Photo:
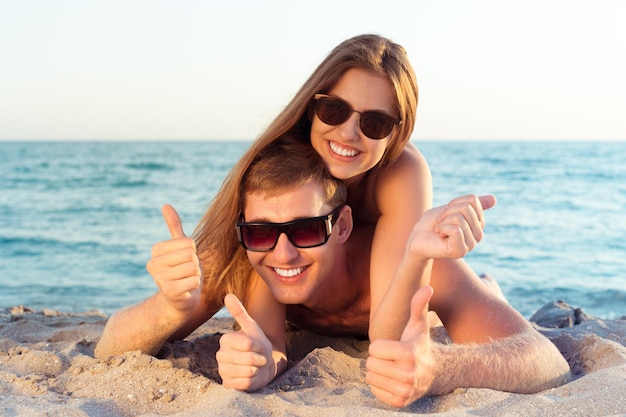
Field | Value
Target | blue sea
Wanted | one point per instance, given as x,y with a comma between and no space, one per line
78,219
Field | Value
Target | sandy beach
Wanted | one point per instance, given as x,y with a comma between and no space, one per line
47,368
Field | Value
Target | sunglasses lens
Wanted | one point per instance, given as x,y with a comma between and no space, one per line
305,234
308,234
373,124
376,125
332,111
259,237
302,233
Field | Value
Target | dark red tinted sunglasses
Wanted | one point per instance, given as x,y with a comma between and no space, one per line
302,233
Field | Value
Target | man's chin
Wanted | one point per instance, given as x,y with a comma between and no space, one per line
289,297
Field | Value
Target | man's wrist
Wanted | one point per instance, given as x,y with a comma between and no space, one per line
167,313
443,378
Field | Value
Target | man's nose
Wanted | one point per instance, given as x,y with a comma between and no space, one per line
285,250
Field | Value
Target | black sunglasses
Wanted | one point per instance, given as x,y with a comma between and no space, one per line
334,111
302,233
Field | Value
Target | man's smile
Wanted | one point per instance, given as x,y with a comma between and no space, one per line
289,273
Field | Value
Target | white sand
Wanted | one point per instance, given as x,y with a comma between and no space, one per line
47,368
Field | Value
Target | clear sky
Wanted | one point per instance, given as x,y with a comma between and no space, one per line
155,69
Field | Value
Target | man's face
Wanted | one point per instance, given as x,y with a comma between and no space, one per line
294,275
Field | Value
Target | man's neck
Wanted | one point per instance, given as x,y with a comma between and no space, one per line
349,282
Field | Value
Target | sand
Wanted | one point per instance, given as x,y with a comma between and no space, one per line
47,368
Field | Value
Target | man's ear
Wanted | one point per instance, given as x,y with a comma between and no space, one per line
344,224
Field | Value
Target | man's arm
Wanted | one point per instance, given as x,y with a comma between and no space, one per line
146,327
525,363
498,344
174,311
493,347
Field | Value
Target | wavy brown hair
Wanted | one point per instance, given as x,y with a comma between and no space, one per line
222,258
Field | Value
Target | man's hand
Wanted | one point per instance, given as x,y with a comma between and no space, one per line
400,372
175,266
245,357
451,231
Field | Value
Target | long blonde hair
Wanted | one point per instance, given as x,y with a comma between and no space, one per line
224,262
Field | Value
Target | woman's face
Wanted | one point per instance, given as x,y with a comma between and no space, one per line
346,151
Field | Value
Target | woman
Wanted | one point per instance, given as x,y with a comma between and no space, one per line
358,111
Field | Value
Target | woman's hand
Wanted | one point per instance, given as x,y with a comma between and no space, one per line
451,231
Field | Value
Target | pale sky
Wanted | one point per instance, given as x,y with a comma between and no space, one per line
155,69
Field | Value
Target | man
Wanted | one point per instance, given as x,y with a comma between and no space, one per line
311,268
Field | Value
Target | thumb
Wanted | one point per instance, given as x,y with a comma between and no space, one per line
487,201
239,313
172,219
418,321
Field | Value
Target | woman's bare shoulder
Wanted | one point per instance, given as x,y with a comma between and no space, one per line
411,158
409,172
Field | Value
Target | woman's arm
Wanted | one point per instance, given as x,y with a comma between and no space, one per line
445,232
403,192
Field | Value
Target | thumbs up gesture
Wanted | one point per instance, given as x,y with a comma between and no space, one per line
175,266
245,357
400,372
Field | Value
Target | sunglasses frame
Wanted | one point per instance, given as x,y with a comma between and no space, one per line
393,120
329,220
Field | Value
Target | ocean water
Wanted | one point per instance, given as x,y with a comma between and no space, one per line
78,219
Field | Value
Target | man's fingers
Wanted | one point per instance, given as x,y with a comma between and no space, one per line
418,324
238,349
239,313
172,219
386,350
382,390
388,381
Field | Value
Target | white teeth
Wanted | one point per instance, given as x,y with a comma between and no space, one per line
342,151
289,272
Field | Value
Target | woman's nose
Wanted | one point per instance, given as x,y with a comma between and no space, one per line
349,130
